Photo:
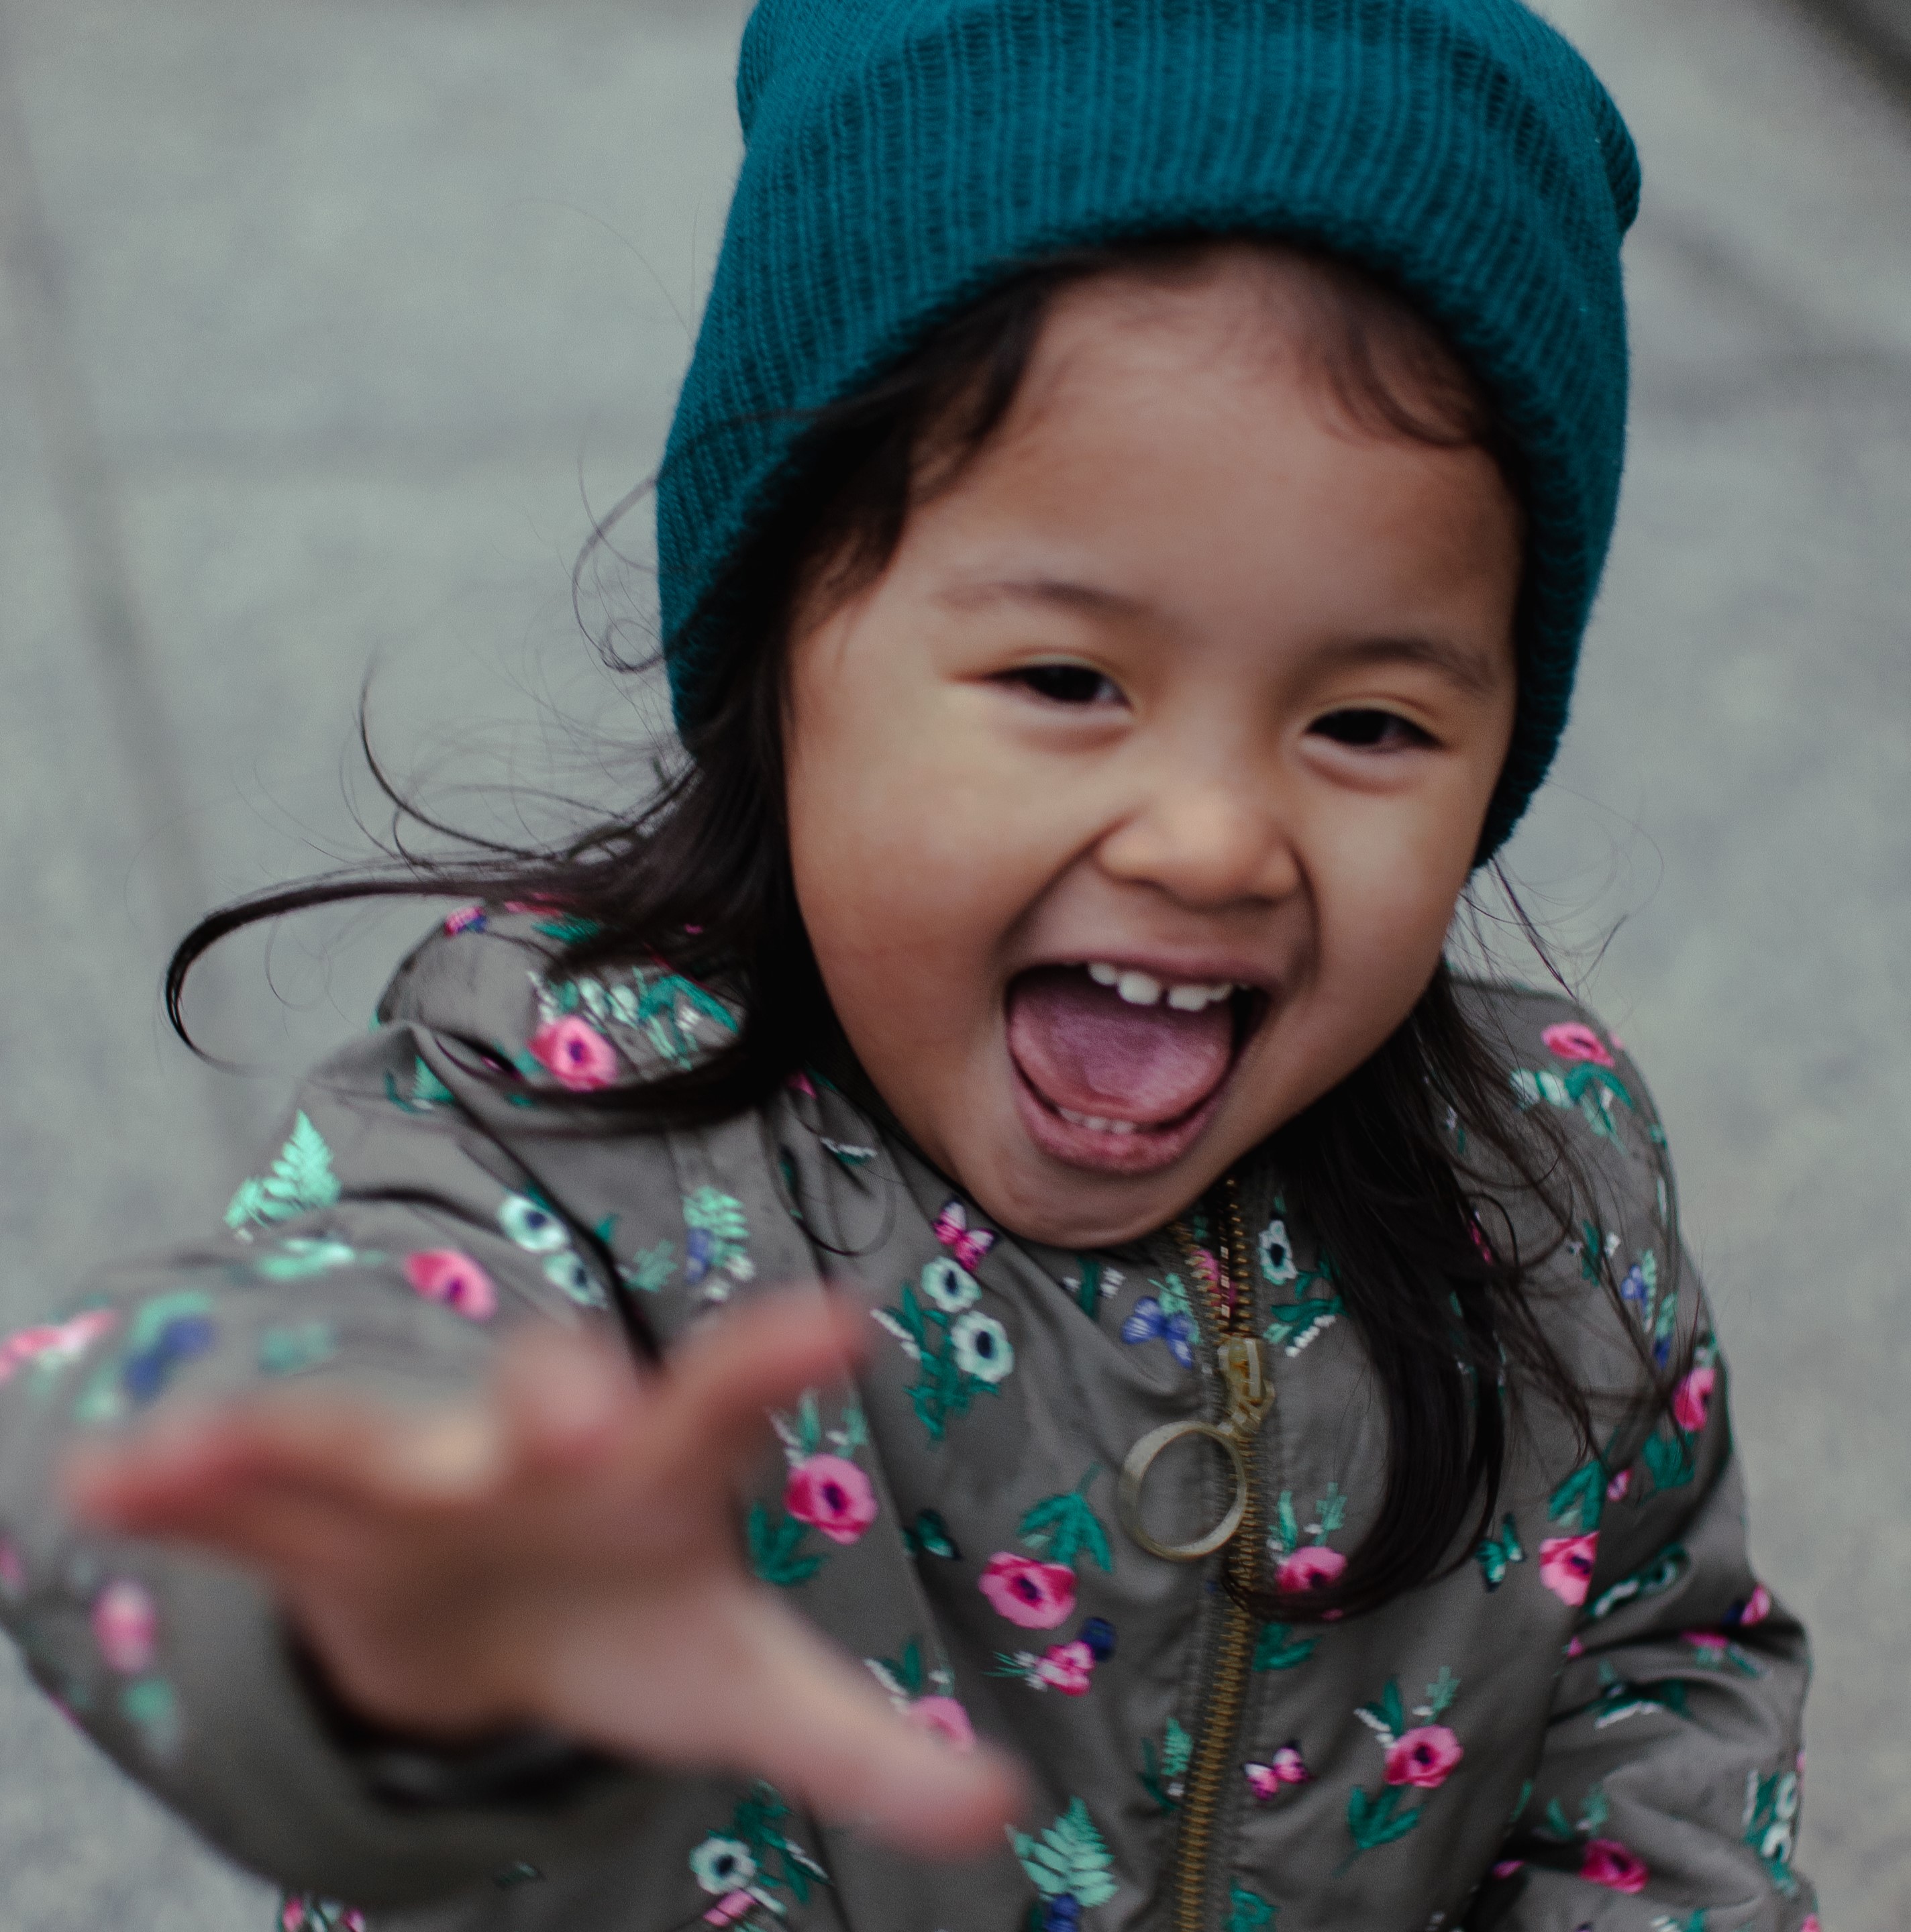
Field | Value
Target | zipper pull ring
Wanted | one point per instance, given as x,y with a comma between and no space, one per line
1250,1394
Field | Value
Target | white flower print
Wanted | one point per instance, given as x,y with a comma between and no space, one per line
1278,1265
950,1286
566,1271
982,1347
722,1865
535,1229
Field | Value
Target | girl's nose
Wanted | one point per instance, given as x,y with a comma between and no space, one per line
1207,844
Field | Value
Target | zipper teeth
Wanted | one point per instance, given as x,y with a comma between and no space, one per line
1220,1719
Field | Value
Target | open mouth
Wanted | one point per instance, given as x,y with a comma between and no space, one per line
1119,1071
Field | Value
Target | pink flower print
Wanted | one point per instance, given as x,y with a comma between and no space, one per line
728,1909
801,1083
1286,1767
1709,1643
1038,1596
1566,1565
1607,1862
1810,1924
1755,1609
1615,1490
1507,1866
443,1274
1572,1040
1068,1668
1693,1398
306,1914
832,1495
1423,1757
13,1571
466,918
944,1718
1313,1568
126,1626
1575,1647
576,1052
55,1342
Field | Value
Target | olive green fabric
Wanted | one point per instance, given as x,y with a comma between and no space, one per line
1518,1745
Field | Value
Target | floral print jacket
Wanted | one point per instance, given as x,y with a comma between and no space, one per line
1591,1721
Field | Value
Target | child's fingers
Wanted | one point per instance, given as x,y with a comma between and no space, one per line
854,1760
734,1681
726,1376
357,1449
565,1400
285,1529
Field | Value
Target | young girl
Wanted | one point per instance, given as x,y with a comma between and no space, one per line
1256,1455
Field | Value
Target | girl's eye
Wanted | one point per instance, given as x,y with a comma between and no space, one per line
1066,684
1369,730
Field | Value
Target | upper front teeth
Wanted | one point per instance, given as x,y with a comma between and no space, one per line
1142,989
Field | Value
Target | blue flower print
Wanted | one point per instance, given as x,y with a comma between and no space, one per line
146,1374
1150,1323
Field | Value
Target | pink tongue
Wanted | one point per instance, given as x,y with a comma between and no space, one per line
1085,1048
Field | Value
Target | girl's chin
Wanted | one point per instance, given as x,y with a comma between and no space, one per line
1134,1152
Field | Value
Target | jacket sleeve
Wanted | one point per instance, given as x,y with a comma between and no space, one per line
409,1216
1667,1794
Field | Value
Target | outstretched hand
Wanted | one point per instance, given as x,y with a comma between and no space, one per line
561,1552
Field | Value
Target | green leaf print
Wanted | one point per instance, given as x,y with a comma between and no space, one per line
928,1536
1584,1493
957,1349
1668,1458
1277,1648
1375,1818
1162,1771
1248,1911
1388,1716
776,1554
1296,1324
1069,1860
1063,1527
665,1008
1651,1579
295,1258
428,1091
718,1240
1496,1554
301,1182
780,1861
650,1268
905,1671
1440,1695
292,1351
569,928
1288,1525
1595,1808
1772,1812
1088,1288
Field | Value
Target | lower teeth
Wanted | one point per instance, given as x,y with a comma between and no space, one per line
1098,1125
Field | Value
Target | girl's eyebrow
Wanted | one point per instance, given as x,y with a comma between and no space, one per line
1093,599
1467,670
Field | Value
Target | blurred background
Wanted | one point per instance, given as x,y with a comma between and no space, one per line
326,326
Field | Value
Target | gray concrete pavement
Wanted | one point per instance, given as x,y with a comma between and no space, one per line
315,315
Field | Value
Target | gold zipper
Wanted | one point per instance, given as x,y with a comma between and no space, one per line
1238,1355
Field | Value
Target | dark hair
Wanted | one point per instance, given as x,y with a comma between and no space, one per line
1447,1314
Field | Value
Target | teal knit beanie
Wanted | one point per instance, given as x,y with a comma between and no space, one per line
904,156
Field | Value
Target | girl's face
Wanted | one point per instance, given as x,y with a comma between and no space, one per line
1129,806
